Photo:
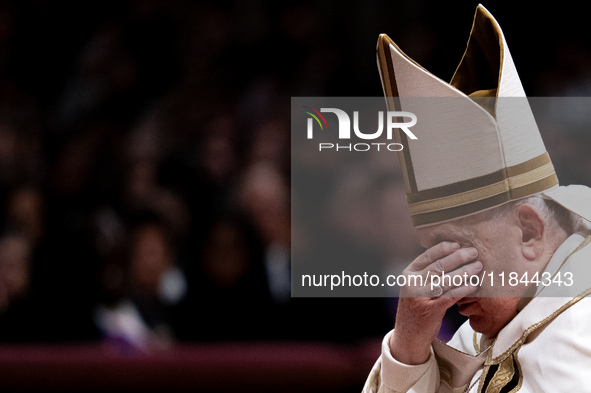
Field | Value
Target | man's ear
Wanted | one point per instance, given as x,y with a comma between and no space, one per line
533,229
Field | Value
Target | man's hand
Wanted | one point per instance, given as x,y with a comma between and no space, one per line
419,314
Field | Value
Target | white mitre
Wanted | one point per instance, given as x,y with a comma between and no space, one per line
478,144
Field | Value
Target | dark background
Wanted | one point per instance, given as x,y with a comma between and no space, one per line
150,138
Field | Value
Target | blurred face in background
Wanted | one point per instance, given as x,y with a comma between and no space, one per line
26,210
151,257
226,258
265,199
14,267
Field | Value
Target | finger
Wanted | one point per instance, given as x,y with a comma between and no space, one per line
456,278
453,261
434,286
457,293
433,254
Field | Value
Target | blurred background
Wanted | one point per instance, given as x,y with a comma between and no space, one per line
145,181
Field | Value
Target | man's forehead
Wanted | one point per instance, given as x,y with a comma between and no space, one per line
455,231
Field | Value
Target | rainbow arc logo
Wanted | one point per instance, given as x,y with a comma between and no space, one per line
315,115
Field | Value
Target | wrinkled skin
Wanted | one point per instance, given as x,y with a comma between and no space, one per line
518,242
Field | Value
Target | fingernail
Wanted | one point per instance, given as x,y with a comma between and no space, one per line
477,266
455,246
473,252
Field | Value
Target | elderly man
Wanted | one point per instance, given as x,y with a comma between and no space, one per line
485,201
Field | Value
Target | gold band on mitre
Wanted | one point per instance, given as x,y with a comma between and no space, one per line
474,195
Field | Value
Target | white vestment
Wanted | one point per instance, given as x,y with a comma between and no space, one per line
545,348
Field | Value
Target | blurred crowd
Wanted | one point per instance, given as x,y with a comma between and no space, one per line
144,173
145,166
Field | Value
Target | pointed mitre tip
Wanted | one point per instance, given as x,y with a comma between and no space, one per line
384,42
383,39
481,8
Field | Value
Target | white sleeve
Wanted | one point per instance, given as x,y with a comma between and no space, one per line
390,376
